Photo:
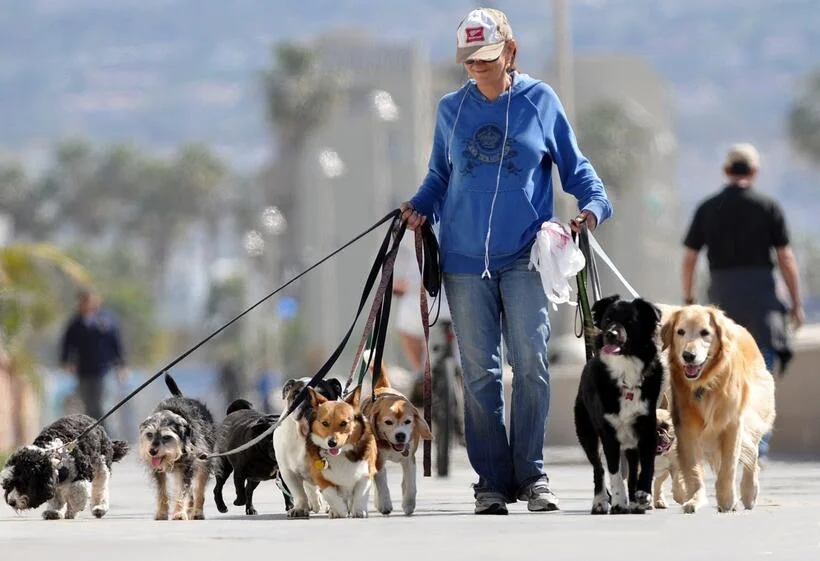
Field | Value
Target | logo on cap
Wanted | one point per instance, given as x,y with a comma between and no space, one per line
474,34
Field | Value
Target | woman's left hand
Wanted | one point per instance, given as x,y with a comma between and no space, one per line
585,216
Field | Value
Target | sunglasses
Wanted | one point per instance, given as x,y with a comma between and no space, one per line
472,61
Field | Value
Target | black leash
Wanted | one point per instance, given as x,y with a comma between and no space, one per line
380,313
588,274
393,215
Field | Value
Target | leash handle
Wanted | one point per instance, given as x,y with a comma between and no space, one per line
427,446
589,272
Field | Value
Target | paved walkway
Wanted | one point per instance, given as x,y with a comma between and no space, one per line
786,525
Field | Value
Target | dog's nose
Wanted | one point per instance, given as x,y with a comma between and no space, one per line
153,451
688,357
331,443
400,437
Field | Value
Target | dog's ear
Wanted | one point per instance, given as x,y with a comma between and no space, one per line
668,330
600,307
722,328
353,398
304,426
648,310
316,399
422,427
287,388
336,386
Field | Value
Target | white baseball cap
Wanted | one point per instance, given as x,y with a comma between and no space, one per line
482,35
742,153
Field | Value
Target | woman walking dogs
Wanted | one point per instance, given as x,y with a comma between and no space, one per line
489,186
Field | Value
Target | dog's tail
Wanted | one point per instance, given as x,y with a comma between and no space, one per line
383,381
172,385
238,405
120,449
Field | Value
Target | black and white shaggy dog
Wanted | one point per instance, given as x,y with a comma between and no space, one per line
46,472
616,402
250,467
179,429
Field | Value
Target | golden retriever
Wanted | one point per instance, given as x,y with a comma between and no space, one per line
722,403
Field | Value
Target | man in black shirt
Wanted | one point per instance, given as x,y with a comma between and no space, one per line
740,227
91,347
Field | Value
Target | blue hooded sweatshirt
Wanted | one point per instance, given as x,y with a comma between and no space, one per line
491,203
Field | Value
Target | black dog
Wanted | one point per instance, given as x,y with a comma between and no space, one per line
617,400
171,440
46,472
250,467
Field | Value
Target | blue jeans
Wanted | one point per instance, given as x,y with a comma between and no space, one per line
513,302
768,356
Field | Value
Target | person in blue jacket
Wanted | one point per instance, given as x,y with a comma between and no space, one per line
489,188
91,347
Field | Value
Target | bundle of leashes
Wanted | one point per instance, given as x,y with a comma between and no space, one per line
427,257
589,275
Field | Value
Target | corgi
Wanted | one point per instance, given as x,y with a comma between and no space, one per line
342,453
398,428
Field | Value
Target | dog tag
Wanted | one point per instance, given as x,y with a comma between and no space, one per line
320,464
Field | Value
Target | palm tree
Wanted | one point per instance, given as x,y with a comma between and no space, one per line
299,98
804,119
30,302
616,141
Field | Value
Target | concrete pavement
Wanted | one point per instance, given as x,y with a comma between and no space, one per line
785,525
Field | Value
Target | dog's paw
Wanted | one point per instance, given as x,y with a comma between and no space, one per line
299,513
600,504
51,515
359,514
619,509
660,503
99,511
332,513
238,501
180,516
384,504
198,516
726,508
408,506
690,507
642,503
250,511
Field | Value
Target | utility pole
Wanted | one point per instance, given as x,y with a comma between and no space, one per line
565,206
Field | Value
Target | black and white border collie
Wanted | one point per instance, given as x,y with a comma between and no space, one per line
616,402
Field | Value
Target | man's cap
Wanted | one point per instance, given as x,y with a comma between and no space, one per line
482,35
742,154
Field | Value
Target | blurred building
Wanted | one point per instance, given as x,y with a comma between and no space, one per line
369,157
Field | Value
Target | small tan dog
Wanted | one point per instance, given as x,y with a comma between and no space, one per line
342,453
723,402
666,461
399,429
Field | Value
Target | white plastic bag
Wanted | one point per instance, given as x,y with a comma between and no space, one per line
556,257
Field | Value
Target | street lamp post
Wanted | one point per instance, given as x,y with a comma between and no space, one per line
332,167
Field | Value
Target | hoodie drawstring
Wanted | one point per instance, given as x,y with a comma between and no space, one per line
486,273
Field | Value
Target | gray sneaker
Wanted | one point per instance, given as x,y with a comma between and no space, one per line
539,497
488,502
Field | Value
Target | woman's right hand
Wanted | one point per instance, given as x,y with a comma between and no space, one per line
409,215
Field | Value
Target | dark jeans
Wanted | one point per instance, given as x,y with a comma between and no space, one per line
768,356
91,390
